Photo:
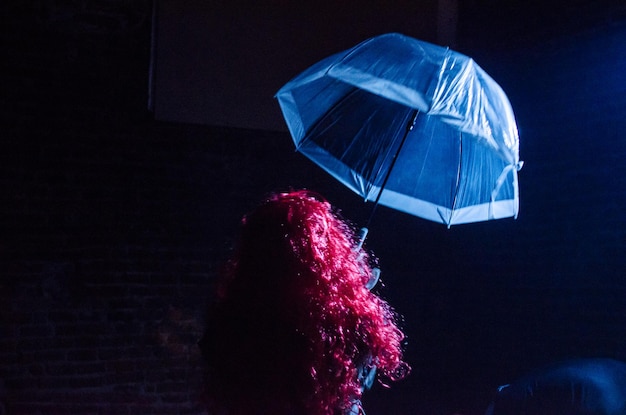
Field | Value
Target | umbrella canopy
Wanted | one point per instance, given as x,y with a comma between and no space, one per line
410,125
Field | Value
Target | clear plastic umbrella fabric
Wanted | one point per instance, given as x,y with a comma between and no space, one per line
410,125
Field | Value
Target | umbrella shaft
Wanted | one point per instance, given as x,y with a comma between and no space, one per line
409,127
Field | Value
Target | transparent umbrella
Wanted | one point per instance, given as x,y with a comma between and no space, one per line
410,125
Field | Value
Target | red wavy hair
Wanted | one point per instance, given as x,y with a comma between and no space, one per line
294,319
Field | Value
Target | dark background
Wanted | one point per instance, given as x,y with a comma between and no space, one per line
113,221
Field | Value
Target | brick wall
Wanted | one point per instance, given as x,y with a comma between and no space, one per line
109,244
111,224
112,227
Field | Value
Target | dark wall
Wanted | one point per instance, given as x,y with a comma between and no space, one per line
221,63
112,226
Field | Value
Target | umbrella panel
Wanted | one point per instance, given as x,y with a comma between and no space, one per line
427,168
357,139
437,169
441,165
450,177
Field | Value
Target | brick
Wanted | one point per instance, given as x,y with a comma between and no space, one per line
82,355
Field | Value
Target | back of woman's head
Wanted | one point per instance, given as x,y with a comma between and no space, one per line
294,319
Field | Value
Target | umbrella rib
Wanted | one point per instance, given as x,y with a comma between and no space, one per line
409,127
316,124
458,179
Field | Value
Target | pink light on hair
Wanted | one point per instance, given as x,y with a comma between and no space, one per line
294,320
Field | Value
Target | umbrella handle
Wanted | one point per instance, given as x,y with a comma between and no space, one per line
375,271
362,236
371,283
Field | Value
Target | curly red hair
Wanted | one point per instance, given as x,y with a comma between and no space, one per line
294,320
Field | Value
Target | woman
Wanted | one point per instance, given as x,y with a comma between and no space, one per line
295,330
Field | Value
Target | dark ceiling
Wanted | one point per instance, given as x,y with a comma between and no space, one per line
516,23
104,46
484,20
